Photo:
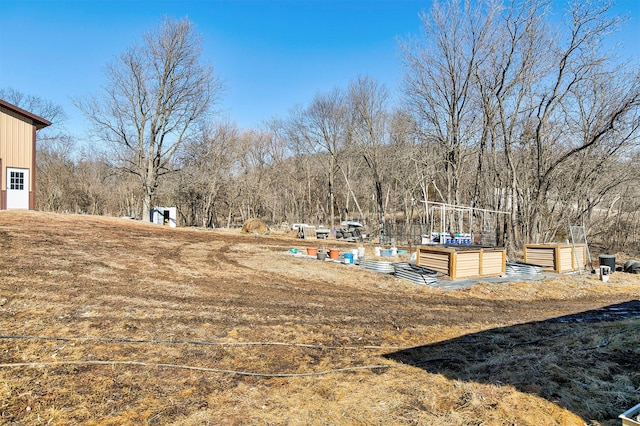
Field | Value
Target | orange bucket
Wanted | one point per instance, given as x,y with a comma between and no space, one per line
334,253
312,251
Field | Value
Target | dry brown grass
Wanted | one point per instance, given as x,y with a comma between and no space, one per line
121,292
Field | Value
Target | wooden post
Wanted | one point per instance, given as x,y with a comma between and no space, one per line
453,260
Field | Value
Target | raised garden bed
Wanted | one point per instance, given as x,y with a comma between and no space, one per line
556,257
463,262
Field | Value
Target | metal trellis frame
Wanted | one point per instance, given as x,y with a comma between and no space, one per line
446,208
579,236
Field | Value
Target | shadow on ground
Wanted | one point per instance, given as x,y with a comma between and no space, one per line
586,362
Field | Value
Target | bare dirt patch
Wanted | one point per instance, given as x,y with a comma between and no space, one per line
112,321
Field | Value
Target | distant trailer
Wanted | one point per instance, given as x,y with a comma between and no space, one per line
463,261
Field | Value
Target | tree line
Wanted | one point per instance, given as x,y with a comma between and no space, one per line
504,107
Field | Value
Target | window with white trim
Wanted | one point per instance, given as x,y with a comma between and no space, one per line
16,180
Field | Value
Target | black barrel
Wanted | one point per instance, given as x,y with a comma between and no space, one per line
608,260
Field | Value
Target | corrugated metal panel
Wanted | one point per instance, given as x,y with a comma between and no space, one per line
378,266
415,274
16,142
519,268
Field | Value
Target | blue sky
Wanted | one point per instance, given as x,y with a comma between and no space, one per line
271,54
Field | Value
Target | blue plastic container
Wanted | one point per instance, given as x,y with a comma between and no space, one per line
348,258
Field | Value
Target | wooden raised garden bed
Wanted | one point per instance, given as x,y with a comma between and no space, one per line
463,262
557,258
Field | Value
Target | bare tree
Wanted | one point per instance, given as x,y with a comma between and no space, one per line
368,101
155,96
206,164
323,128
514,58
585,102
55,170
535,105
42,107
439,81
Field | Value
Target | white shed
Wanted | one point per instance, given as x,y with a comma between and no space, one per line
164,216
